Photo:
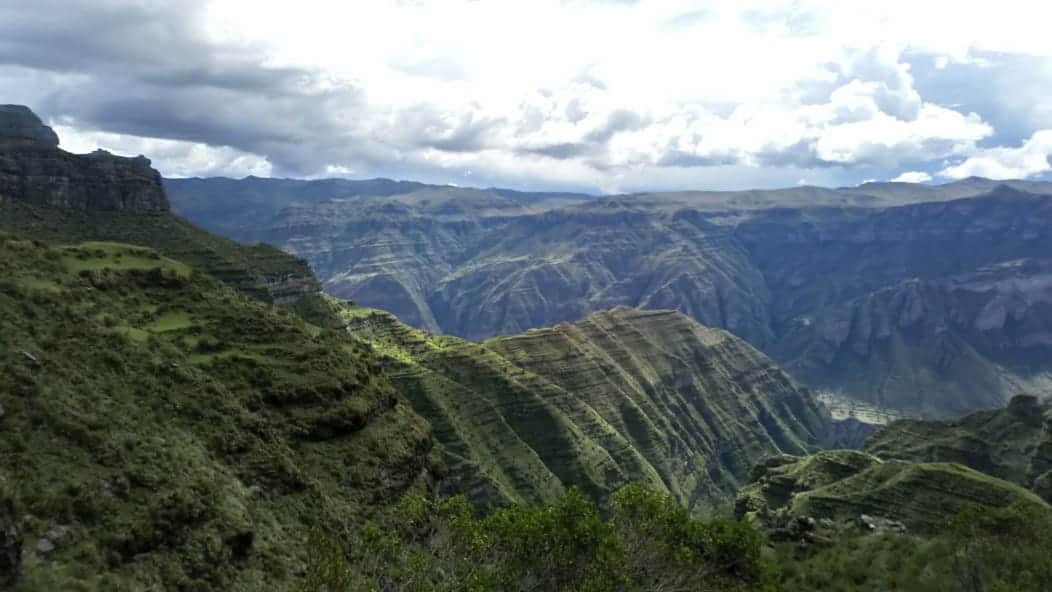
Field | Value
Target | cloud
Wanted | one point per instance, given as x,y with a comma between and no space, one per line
612,95
1029,159
912,177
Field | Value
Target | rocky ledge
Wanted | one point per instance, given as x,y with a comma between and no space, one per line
35,171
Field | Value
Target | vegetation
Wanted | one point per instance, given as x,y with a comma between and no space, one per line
161,431
843,484
261,271
622,396
979,550
647,542
1013,443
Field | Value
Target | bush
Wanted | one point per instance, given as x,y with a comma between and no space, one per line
646,543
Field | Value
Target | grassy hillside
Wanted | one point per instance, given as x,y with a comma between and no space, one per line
160,430
849,521
261,271
623,396
1014,443
843,485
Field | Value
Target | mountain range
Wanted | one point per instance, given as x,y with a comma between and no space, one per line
180,411
891,299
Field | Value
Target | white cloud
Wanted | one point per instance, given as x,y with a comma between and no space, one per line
597,94
174,157
912,177
1030,159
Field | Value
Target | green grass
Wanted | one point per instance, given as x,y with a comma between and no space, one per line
188,435
261,271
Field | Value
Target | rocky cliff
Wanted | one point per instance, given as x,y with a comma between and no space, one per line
54,195
34,171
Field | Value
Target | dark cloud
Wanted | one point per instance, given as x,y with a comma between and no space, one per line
678,158
618,121
148,69
145,69
564,150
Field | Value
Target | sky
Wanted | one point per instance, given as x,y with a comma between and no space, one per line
589,95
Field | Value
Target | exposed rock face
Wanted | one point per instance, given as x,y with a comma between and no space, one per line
53,195
621,396
19,125
34,171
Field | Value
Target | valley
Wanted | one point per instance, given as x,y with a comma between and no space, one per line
180,411
926,301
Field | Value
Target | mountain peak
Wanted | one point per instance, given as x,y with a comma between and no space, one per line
18,123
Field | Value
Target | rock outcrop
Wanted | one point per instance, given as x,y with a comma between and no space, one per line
51,194
34,171
19,126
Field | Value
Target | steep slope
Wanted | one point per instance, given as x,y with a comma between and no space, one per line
561,266
622,396
1014,443
933,309
160,430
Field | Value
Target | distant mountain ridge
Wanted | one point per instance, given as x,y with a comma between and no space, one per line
926,300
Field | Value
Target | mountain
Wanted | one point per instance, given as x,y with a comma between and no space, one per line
899,299
53,195
179,411
622,396
237,208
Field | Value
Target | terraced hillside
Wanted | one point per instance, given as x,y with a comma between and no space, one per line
622,396
850,521
160,430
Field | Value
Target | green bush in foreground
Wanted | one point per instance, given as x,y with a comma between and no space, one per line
646,542
981,550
